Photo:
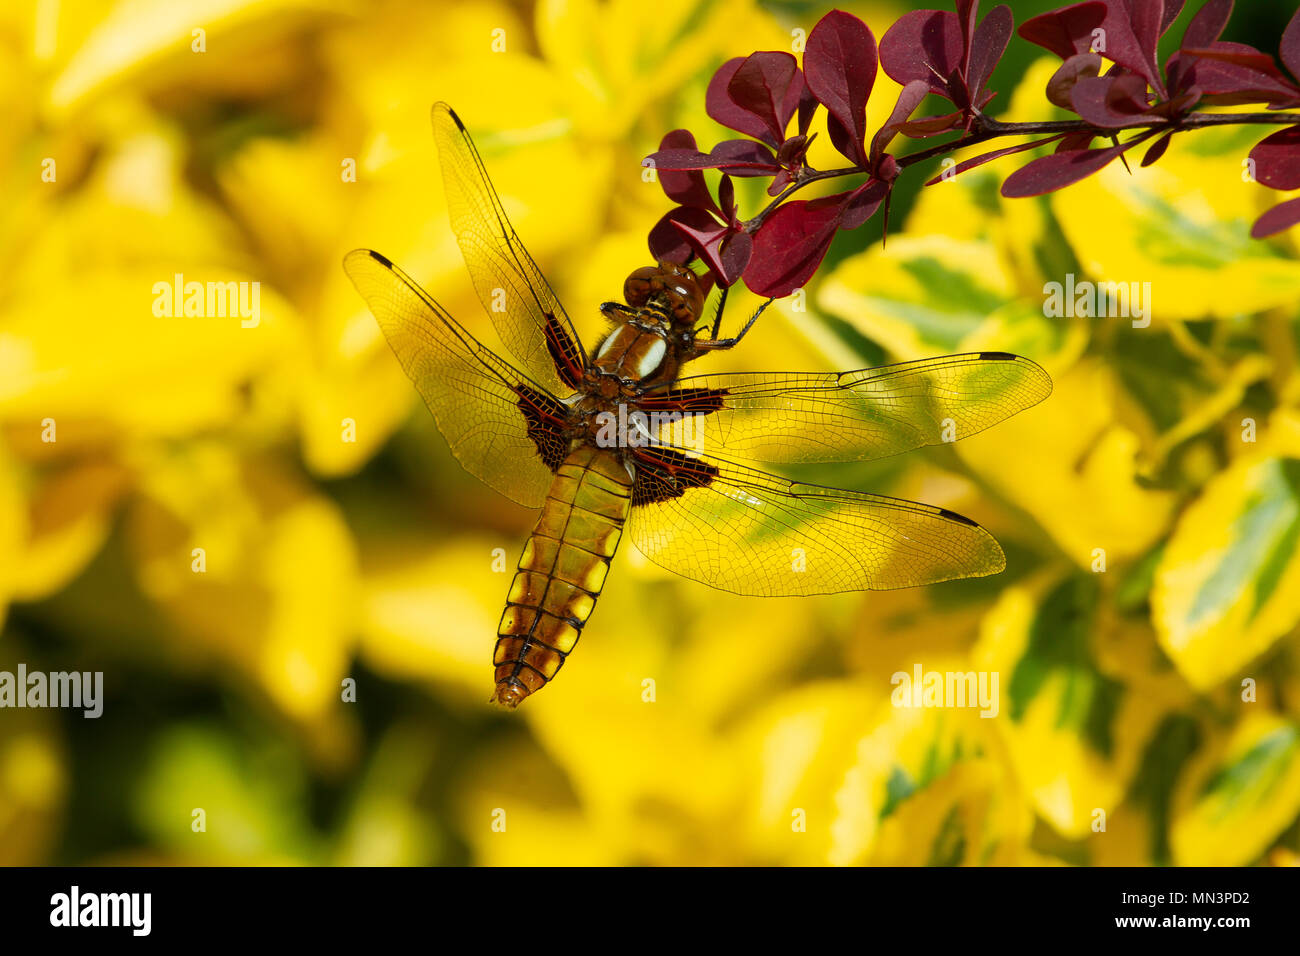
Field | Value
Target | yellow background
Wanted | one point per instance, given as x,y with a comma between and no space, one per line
1139,521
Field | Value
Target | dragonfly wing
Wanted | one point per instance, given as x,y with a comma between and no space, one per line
749,532
852,416
501,425
527,315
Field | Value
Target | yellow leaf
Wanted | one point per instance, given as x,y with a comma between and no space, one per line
972,816
1073,733
920,296
70,518
1071,449
1228,584
1241,791
253,570
1182,225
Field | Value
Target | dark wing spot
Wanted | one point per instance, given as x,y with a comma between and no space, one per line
546,419
998,357
564,354
687,401
665,473
953,516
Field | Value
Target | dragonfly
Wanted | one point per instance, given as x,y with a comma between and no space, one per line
616,442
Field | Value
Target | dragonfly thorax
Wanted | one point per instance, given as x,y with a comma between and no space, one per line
636,352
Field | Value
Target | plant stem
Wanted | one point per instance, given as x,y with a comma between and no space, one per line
992,129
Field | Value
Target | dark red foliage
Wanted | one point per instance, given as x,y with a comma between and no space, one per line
759,95
950,54
1050,173
795,239
1278,219
1133,92
1111,77
989,157
1277,159
839,62
1067,31
1229,73
1130,33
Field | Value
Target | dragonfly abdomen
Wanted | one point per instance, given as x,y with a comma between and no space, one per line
561,571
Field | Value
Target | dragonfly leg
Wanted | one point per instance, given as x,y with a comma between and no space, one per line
720,344
607,307
717,317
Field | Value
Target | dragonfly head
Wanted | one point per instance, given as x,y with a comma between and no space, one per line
669,288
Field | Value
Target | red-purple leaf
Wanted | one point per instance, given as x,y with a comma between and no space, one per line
1157,149
684,187
1077,67
712,244
1208,24
740,157
1066,31
1278,219
1147,20
1132,36
1070,30
761,87
1225,83
967,14
807,106
1112,102
667,241
1049,173
744,157
931,125
840,68
727,198
1277,159
792,150
719,105
923,45
1239,54
734,255
678,159
1290,49
909,98
791,244
844,141
973,162
861,204
1075,141
990,42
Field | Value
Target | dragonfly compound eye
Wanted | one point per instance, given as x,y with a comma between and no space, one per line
682,306
641,285
685,299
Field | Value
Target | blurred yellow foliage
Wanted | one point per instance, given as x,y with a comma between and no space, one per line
258,536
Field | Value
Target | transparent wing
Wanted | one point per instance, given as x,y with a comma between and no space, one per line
528,317
750,532
852,416
500,424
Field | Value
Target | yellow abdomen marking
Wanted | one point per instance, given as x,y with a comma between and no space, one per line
561,571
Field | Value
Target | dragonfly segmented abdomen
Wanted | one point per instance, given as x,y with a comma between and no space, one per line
561,571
